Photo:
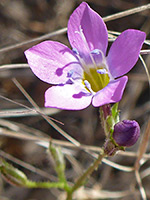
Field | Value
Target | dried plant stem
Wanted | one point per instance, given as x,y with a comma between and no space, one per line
64,30
127,12
142,191
38,39
27,166
146,69
57,128
14,66
145,51
143,146
28,108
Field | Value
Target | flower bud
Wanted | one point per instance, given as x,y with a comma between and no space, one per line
12,174
58,160
126,133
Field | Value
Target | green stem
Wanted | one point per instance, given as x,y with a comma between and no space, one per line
60,185
105,112
109,117
69,195
87,173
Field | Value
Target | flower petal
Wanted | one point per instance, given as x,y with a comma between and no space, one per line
111,93
68,97
125,51
93,27
51,61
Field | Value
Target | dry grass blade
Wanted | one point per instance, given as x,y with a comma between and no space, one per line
126,13
146,69
28,108
26,165
132,154
64,30
143,146
22,134
20,112
145,51
117,166
145,173
141,188
43,37
14,66
68,137
100,194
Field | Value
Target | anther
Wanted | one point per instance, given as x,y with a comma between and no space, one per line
96,51
102,71
88,86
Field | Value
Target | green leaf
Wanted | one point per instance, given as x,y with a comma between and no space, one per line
115,113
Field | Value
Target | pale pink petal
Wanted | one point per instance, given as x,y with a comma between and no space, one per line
68,97
111,93
51,61
124,52
93,27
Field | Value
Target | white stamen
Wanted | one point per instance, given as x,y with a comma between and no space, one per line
88,85
103,64
95,51
102,71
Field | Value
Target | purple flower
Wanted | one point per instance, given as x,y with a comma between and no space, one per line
85,75
126,133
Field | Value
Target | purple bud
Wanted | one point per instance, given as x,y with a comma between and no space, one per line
126,133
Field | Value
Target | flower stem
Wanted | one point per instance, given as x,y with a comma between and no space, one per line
61,185
88,172
105,112
69,195
109,117
80,181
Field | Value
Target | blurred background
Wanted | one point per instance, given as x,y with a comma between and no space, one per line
22,20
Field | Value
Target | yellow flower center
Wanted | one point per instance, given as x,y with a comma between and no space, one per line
97,81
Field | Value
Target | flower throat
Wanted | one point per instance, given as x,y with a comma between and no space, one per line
97,77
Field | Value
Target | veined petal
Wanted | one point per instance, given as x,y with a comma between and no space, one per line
111,93
125,51
68,97
93,28
51,61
